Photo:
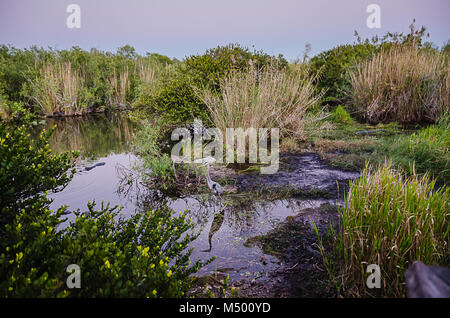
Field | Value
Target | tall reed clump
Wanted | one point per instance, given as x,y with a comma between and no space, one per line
404,83
130,79
59,88
268,98
120,85
391,220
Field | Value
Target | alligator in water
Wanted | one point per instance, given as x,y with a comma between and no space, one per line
98,164
368,132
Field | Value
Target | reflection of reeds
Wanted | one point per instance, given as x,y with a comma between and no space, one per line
59,89
92,136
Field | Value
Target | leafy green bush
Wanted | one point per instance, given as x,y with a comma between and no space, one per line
333,66
175,101
28,168
145,255
340,115
211,67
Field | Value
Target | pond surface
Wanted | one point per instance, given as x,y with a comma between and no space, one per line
224,229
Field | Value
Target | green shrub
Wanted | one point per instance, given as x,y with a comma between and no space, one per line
208,69
390,220
333,66
16,66
157,167
145,255
28,168
175,101
340,115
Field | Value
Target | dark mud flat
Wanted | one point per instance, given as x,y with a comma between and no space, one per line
305,172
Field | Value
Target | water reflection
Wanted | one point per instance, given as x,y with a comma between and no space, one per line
224,223
95,136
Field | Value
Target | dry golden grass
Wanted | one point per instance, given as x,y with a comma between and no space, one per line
263,99
59,88
120,84
403,84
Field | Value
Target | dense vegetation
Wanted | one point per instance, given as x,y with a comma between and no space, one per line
74,82
177,101
424,151
394,213
142,256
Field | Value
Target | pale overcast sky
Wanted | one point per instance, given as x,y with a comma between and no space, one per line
183,27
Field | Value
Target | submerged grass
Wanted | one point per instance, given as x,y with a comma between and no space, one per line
390,220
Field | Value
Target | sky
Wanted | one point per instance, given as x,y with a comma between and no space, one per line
179,28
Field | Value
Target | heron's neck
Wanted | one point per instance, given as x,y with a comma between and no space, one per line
208,177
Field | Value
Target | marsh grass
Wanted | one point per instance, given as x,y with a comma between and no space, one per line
403,83
427,149
59,88
267,98
390,220
64,85
120,85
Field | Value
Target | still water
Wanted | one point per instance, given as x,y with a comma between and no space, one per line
107,139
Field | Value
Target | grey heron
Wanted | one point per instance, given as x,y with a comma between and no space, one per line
214,186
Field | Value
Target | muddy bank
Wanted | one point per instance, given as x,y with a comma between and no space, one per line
302,172
298,271
294,242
